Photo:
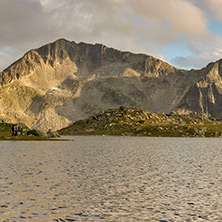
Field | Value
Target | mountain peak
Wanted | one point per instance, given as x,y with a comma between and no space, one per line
64,81
90,56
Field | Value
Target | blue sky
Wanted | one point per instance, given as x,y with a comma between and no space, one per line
216,27
185,33
172,52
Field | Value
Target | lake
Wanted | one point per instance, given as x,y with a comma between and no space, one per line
111,179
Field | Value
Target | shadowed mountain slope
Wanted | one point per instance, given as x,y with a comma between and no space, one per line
61,82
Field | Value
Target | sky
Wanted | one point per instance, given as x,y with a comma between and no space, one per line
185,33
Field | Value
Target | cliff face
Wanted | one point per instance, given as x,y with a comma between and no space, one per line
62,82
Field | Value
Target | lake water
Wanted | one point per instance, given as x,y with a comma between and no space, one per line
111,179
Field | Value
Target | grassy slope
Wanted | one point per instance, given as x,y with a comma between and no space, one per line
137,122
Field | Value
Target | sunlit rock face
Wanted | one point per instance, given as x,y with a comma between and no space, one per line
61,82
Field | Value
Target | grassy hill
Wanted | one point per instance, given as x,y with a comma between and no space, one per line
137,122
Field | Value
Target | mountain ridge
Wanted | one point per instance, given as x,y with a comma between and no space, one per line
44,52
61,82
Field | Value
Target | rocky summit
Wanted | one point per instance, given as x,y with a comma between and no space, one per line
62,82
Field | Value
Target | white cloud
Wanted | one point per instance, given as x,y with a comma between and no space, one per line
140,26
181,16
7,56
204,54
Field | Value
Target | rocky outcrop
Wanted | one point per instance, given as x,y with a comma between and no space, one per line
125,121
59,83
205,95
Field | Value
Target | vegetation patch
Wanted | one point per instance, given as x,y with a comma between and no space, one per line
137,122
23,133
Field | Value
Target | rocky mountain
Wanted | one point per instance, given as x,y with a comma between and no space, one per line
61,82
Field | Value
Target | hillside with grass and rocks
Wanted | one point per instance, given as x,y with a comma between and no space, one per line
138,122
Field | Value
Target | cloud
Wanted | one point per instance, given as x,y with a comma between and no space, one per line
204,53
20,21
140,26
215,6
181,17
6,56
23,26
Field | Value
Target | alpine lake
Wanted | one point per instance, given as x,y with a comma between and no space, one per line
107,178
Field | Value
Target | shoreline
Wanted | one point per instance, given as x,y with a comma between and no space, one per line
30,138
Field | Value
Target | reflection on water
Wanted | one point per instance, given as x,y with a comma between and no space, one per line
111,179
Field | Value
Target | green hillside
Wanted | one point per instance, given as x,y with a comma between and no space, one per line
137,122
